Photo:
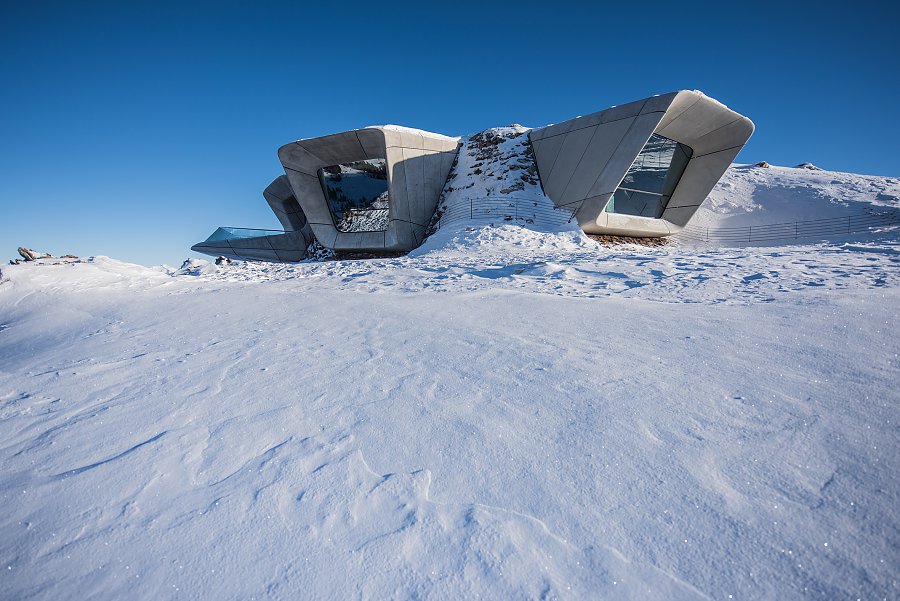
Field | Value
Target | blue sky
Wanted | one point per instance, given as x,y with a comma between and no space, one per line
133,130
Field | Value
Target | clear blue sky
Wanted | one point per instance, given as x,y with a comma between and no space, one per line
133,130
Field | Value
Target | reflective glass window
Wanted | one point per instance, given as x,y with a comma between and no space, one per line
357,195
651,179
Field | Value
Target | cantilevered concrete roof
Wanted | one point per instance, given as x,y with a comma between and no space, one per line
582,161
417,166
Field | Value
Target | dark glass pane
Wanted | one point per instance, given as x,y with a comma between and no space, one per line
650,181
643,204
357,195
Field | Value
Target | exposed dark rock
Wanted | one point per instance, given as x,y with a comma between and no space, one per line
617,240
29,254
515,187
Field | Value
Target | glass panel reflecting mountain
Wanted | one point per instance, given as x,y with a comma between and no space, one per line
357,195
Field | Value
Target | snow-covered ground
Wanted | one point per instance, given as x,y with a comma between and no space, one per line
505,413
752,195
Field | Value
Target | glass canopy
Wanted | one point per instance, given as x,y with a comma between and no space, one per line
234,233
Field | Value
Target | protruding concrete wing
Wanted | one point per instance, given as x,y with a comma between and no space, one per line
265,245
417,165
582,162
254,245
282,202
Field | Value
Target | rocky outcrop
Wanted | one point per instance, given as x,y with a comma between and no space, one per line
29,254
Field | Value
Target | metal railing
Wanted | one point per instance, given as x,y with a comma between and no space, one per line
779,232
506,209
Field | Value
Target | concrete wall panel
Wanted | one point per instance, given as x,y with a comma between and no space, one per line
639,131
372,141
414,163
399,200
250,243
677,218
603,144
546,151
400,235
256,254
590,211
281,200
659,104
573,147
557,129
734,134
288,241
352,241
279,189
622,111
615,224
700,178
291,255
610,115
411,139
683,101
435,176
615,113
308,192
701,118
392,138
439,144
298,158
344,147
326,235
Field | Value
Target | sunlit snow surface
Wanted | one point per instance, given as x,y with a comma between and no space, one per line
503,414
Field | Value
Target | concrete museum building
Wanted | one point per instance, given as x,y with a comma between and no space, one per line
640,169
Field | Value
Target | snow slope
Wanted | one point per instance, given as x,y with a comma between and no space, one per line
506,414
494,180
753,195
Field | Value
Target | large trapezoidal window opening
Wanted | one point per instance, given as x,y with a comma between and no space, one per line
647,187
357,195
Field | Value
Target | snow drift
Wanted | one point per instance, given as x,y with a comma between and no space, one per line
506,413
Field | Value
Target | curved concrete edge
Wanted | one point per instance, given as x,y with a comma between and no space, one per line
614,224
418,163
581,162
281,200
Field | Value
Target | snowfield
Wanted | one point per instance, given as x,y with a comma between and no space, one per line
502,414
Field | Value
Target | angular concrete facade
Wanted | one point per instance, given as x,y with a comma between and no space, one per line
417,166
582,162
284,204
